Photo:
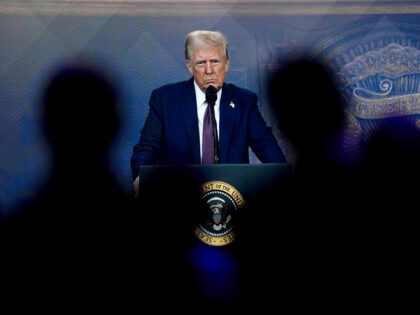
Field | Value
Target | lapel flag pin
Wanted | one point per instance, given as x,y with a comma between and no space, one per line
232,105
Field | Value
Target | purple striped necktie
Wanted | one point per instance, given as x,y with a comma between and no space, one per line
208,138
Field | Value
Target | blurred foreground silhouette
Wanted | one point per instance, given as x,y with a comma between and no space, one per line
350,240
78,234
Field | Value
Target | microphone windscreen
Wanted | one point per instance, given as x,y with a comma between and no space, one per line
211,95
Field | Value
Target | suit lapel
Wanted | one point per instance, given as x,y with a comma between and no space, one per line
188,108
227,121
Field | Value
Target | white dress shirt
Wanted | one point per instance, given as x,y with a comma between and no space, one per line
201,109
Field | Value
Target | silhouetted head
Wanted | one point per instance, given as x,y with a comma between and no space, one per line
80,111
307,104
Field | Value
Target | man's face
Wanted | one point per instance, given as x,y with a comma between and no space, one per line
208,67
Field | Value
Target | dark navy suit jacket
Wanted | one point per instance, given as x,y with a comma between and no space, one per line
170,134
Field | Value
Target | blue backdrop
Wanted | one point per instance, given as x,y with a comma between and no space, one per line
374,46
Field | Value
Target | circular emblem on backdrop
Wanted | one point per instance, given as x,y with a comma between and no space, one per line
219,204
378,71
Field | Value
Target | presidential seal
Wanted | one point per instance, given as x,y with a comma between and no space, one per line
219,204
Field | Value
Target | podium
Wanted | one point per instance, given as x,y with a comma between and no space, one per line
218,202
212,232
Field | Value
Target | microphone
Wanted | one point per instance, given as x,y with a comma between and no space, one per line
211,97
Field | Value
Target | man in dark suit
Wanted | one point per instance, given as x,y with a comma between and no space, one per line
174,132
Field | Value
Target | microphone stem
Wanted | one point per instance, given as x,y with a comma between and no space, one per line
215,136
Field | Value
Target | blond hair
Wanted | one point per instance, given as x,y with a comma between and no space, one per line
202,38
